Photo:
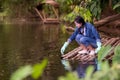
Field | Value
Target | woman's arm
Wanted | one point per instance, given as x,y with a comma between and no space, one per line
72,37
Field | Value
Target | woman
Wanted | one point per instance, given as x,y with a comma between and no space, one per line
87,37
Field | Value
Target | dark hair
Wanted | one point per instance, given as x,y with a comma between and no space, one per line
79,19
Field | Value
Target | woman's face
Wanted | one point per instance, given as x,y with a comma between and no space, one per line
78,24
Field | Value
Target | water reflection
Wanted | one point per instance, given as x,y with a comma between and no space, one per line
22,44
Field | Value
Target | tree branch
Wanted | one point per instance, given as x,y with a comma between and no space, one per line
107,20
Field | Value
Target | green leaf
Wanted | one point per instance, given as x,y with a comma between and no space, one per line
22,73
95,11
105,66
117,50
92,6
116,57
38,69
89,73
63,28
116,6
103,52
69,76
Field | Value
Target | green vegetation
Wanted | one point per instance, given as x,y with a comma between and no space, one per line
18,8
74,8
104,52
35,71
89,9
106,72
116,58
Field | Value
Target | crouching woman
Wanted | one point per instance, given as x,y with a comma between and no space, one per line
88,39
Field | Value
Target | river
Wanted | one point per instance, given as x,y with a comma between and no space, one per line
30,43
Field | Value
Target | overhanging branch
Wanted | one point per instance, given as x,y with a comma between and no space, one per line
107,20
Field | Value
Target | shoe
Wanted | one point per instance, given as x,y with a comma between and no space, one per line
83,52
92,52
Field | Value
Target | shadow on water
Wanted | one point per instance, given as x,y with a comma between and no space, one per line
22,44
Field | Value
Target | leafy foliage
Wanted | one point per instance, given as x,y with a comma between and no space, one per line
77,8
116,5
69,76
22,73
89,9
18,8
103,52
116,58
35,71
106,72
79,11
95,9
38,69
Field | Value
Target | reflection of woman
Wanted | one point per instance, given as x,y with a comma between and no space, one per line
86,36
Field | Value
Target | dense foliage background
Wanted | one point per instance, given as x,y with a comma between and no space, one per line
89,9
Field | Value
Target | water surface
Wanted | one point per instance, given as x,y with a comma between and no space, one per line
23,44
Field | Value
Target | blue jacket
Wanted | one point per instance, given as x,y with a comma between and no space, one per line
90,31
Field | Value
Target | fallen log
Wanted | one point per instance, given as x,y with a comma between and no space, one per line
107,20
101,22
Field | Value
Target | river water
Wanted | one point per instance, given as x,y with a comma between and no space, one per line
23,44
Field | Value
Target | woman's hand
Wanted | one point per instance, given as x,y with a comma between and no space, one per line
64,47
99,44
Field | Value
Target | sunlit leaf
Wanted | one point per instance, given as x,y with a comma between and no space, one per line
63,28
103,52
69,76
117,50
105,66
116,6
38,69
89,73
22,73
116,57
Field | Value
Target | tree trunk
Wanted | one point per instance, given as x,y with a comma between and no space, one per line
110,4
107,20
101,22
